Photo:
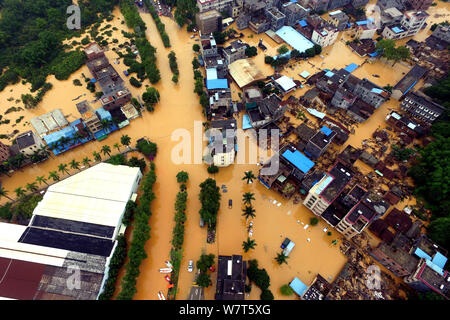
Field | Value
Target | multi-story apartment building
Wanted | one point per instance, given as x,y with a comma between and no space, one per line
338,19
89,116
429,278
370,93
420,5
293,12
28,143
324,192
421,107
343,98
276,18
231,277
219,5
235,51
318,5
209,21
208,46
359,3
442,33
324,35
334,4
319,142
410,24
408,81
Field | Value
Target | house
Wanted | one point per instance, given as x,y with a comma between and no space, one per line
421,107
222,5
222,141
318,289
245,72
338,19
28,143
93,51
370,93
220,103
403,124
324,35
410,24
324,192
442,33
365,31
318,143
360,111
358,3
399,220
298,286
252,94
49,122
304,134
294,12
208,46
235,51
89,117
318,5
420,5
284,84
4,152
276,17
209,21
343,98
231,277
408,81
395,258
270,109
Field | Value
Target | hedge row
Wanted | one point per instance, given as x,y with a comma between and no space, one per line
141,233
159,25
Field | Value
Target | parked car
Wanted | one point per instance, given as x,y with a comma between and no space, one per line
285,243
191,266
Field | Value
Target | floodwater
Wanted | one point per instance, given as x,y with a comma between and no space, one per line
179,109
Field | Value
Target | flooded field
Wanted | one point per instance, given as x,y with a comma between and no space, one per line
179,108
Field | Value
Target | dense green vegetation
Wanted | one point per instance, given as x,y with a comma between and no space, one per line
173,66
390,52
141,233
261,278
210,199
251,51
286,290
199,89
431,172
147,148
159,25
203,264
31,35
150,97
185,11
23,208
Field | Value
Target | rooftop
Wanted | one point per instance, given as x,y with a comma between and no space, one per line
299,160
410,79
399,220
49,121
25,140
294,38
335,181
245,72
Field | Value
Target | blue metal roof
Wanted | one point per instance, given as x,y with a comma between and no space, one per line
103,114
422,254
329,74
376,90
360,23
351,67
246,122
299,160
326,130
298,286
397,29
303,23
434,267
216,84
440,260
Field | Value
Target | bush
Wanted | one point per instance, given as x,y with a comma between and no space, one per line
313,221
196,47
266,295
213,169
77,82
251,51
135,82
286,290
182,177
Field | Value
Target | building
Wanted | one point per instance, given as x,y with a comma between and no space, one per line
4,152
395,258
318,289
28,143
220,103
268,110
421,107
89,116
276,18
231,277
209,21
235,51
222,142
219,5
318,5
245,72
365,31
343,98
285,84
387,4
75,225
370,93
208,46
293,12
324,192
359,3
319,142
408,81
93,51
410,24
324,36
442,33
49,122
338,19
420,5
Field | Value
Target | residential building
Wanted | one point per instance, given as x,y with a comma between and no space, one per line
236,8
390,16
4,152
408,81
245,72
231,277
276,18
420,5
220,103
324,36
208,46
209,21
293,12
89,117
370,93
318,5
28,143
285,84
319,142
387,4
395,258
338,19
360,111
219,5
93,51
324,192
421,107
49,122
268,110
222,146
334,4
442,33
318,289
365,31
343,98
410,24
235,51
359,3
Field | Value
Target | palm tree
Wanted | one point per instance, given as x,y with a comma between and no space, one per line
3,193
86,161
281,258
31,186
249,176
53,175
248,212
249,244
117,146
106,150
125,140
41,179
19,192
97,156
63,168
74,165
248,197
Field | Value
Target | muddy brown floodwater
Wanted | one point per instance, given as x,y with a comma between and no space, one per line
179,108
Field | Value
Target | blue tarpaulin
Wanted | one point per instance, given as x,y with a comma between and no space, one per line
327,131
216,84
422,254
298,286
440,260
303,23
374,54
351,67
299,160
329,74
397,29
246,122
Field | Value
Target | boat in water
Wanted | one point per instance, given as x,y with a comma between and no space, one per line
165,270
161,295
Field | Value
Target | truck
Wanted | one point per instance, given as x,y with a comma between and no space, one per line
288,246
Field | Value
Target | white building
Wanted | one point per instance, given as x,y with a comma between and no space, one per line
411,23
324,36
365,31
219,5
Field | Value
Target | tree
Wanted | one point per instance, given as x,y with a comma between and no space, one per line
125,140
31,186
390,52
75,165
266,295
248,197
19,192
317,49
196,47
63,168
97,156
295,54
86,161
147,148
283,49
116,146
150,97
313,221
438,230
182,177
286,290
249,244
203,280
268,60
53,175
205,262
135,82
248,176
213,169
195,63
4,193
210,200
248,212
281,258
41,179
251,51
106,150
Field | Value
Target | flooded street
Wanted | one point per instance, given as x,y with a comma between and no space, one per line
179,108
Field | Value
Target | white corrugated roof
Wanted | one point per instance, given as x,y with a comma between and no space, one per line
285,82
32,253
11,232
